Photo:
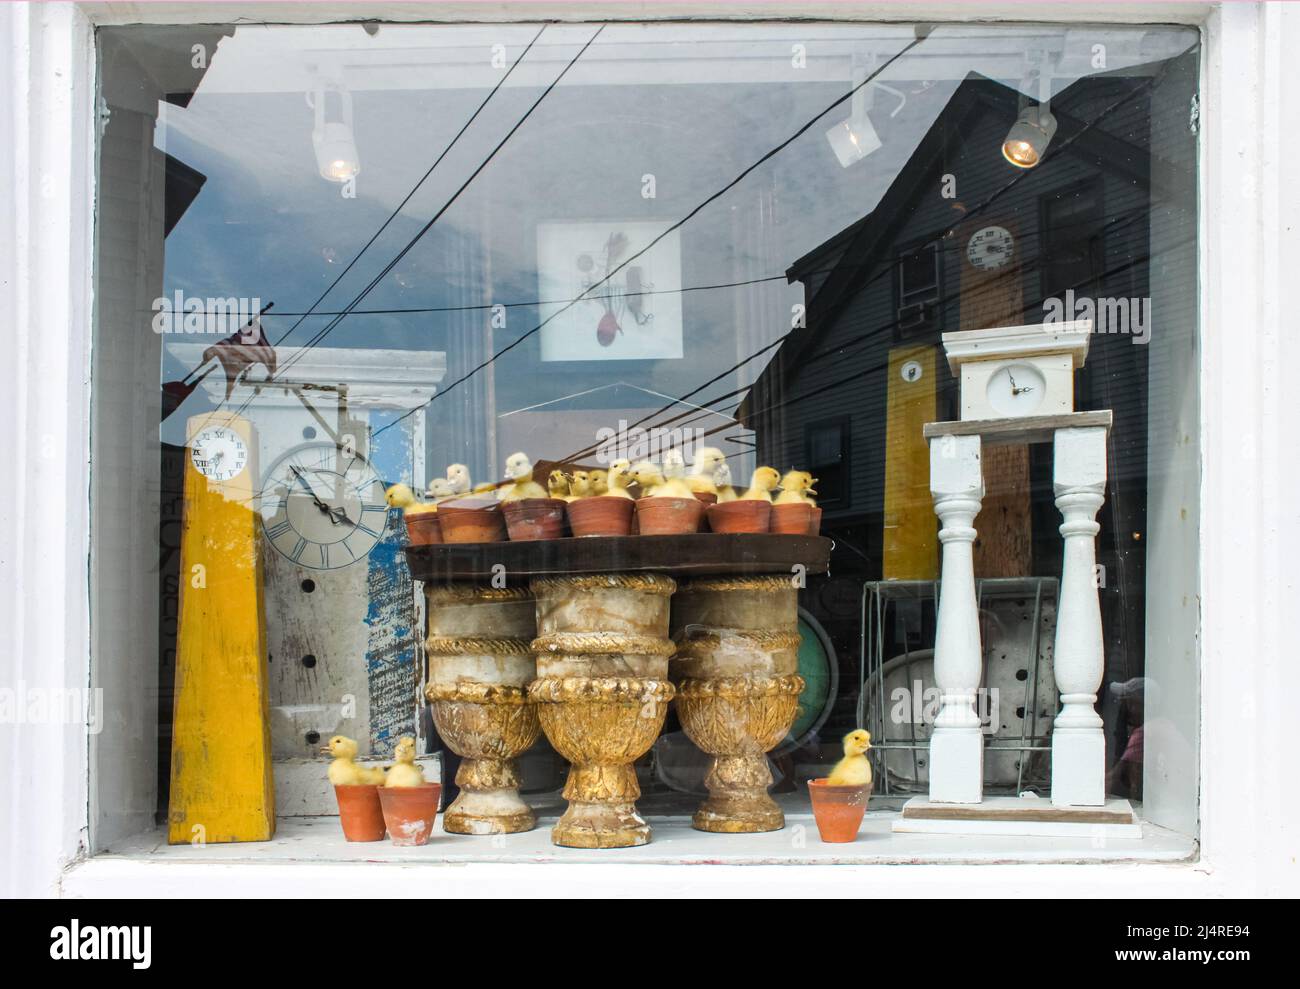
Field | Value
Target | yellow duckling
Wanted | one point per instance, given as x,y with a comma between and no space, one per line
598,481
458,478
796,487
404,771
579,485
722,482
674,464
855,768
707,461
519,469
401,496
618,479
761,485
344,770
655,485
439,490
557,484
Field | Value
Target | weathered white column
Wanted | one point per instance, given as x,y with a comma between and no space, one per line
1078,745
957,743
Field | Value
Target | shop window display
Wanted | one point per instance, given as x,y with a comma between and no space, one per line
596,430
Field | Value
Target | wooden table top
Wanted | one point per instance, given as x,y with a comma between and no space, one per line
692,555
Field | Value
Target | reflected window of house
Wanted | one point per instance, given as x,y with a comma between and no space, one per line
828,459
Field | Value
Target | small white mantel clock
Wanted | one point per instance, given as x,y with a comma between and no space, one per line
1012,371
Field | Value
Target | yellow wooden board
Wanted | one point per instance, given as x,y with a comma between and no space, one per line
221,783
911,530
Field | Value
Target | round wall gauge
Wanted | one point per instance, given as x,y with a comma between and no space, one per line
218,453
1016,389
990,248
911,371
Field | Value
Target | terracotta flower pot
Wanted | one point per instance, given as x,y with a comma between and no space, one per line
472,520
740,516
838,810
360,813
792,520
534,518
424,529
668,516
601,515
409,811
815,523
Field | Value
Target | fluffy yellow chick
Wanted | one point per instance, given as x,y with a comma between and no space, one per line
401,496
344,770
674,464
439,490
761,484
519,469
722,482
707,460
796,487
404,771
618,478
557,484
579,485
598,481
655,485
855,768
458,478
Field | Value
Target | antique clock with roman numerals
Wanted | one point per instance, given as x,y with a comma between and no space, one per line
323,506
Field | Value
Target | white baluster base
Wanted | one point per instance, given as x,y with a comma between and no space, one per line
957,766
1078,767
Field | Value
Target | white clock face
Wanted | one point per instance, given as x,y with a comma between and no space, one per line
323,507
218,453
1016,390
990,248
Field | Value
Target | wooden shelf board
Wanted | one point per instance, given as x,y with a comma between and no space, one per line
1024,429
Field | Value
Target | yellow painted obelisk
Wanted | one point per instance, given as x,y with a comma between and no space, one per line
221,784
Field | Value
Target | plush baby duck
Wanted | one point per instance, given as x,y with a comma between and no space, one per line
579,485
458,478
674,464
855,768
722,482
344,770
519,469
404,771
655,485
557,484
439,490
618,479
401,496
707,460
761,484
796,488
598,481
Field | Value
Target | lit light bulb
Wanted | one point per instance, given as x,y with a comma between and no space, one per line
333,139
1029,136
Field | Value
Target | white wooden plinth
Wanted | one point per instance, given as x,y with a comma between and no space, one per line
957,743
1078,745
1027,817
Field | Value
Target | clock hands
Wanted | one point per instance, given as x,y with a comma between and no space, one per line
1015,390
336,515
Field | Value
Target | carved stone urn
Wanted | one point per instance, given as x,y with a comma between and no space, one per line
737,690
479,667
602,692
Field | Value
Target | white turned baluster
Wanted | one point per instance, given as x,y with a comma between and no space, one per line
957,743
1078,744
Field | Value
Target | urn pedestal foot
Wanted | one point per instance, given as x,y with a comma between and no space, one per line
602,809
489,801
738,692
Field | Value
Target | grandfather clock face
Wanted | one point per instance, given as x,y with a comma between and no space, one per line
323,507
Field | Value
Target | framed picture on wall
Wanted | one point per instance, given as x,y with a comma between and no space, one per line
634,315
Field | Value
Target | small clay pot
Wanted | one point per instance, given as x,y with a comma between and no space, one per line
740,516
792,520
707,498
601,515
668,516
472,520
409,811
424,529
360,813
815,523
534,518
838,810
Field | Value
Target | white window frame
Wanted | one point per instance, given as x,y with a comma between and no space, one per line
1249,533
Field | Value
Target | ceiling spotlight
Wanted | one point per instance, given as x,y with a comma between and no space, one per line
1029,136
853,139
332,136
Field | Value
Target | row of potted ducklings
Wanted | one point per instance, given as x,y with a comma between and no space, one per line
640,498
372,801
